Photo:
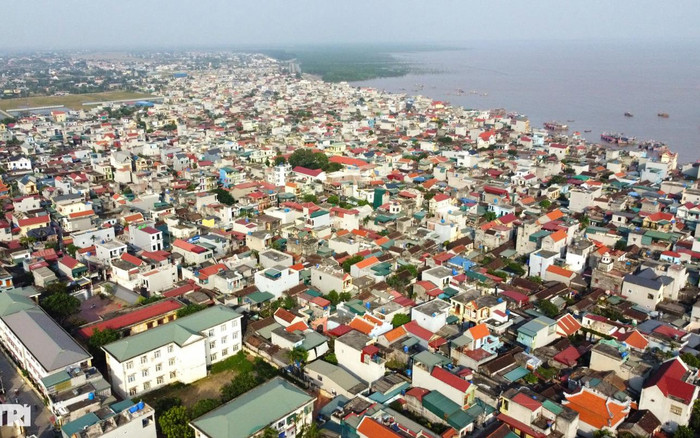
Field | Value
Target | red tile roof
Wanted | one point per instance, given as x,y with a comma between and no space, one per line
527,402
134,317
668,379
450,379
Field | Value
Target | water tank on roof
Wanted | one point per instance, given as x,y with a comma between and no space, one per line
91,396
405,349
368,304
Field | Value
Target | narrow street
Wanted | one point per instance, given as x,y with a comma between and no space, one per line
11,381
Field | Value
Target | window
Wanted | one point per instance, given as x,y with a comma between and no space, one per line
147,386
234,348
159,380
650,296
213,357
156,354
131,378
212,345
144,373
132,391
170,347
224,352
223,339
505,404
676,410
171,361
211,333
223,328
159,366
173,374
144,359
130,365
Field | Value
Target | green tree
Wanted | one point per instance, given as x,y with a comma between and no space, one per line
345,296
331,358
311,431
545,203
242,383
347,264
71,249
279,159
55,288
489,216
270,433
203,406
61,305
174,423
333,167
307,158
297,355
547,308
288,302
190,309
400,319
310,198
102,337
223,196
684,432
334,297
333,200
620,244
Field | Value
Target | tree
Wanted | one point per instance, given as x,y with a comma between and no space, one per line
71,249
489,216
691,360
55,288
347,264
297,355
345,296
279,159
270,433
333,297
400,319
333,200
333,167
600,433
311,431
310,198
620,244
288,302
545,203
223,196
102,337
307,158
203,406
684,432
242,383
546,307
61,305
190,309
331,358
174,423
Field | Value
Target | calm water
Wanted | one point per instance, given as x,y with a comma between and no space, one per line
592,85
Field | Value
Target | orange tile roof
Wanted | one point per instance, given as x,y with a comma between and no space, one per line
370,428
636,340
479,331
367,262
555,214
361,325
554,269
397,333
568,325
596,410
558,235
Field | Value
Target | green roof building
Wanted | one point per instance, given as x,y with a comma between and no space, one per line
277,404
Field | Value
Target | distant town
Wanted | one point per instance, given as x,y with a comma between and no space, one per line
220,245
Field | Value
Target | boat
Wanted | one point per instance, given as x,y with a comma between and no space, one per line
570,121
629,115
555,126
586,130
614,138
663,115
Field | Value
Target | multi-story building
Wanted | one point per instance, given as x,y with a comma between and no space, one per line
145,236
179,351
124,418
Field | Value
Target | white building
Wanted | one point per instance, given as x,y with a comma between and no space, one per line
670,394
145,236
179,351
106,251
327,278
357,354
116,420
276,280
432,315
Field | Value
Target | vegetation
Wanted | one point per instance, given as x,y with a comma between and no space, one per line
174,423
152,299
245,381
190,309
307,158
336,298
297,355
203,406
310,198
223,196
100,338
684,432
331,358
60,306
73,101
545,203
400,319
489,216
691,360
347,264
238,362
547,308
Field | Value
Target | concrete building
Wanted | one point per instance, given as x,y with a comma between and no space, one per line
121,419
357,354
145,236
670,394
276,280
326,278
277,404
179,351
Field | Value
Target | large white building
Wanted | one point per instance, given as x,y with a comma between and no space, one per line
145,236
670,394
276,280
179,351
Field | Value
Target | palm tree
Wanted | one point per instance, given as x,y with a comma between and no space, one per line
298,355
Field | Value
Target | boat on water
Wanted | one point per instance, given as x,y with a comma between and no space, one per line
586,130
629,115
555,126
614,138
570,121
663,115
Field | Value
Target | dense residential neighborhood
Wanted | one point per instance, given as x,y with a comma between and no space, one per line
255,252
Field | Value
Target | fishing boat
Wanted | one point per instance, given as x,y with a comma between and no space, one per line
629,115
586,130
663,115
555,126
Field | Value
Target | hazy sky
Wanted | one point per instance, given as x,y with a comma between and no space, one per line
50,24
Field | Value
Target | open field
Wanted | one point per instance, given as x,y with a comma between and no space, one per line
72,101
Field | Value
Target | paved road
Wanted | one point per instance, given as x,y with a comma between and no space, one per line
11,380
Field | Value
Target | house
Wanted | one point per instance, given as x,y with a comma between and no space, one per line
277,404
534,415
272,257
144,236
125,418
557,273
357,354
179,351
645,288
276,280
71,268
473,308
436,378
137,320
27,224
596,411
537,332
670,393
326,278
431,315
333,380
192,254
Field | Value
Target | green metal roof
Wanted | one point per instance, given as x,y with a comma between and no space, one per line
318,213
258,297
179,331
77,425
430,359
517,373
253,411
55,378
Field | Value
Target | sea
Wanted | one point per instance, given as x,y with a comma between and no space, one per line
588,86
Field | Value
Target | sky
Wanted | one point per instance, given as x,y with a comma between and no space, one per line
133,24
